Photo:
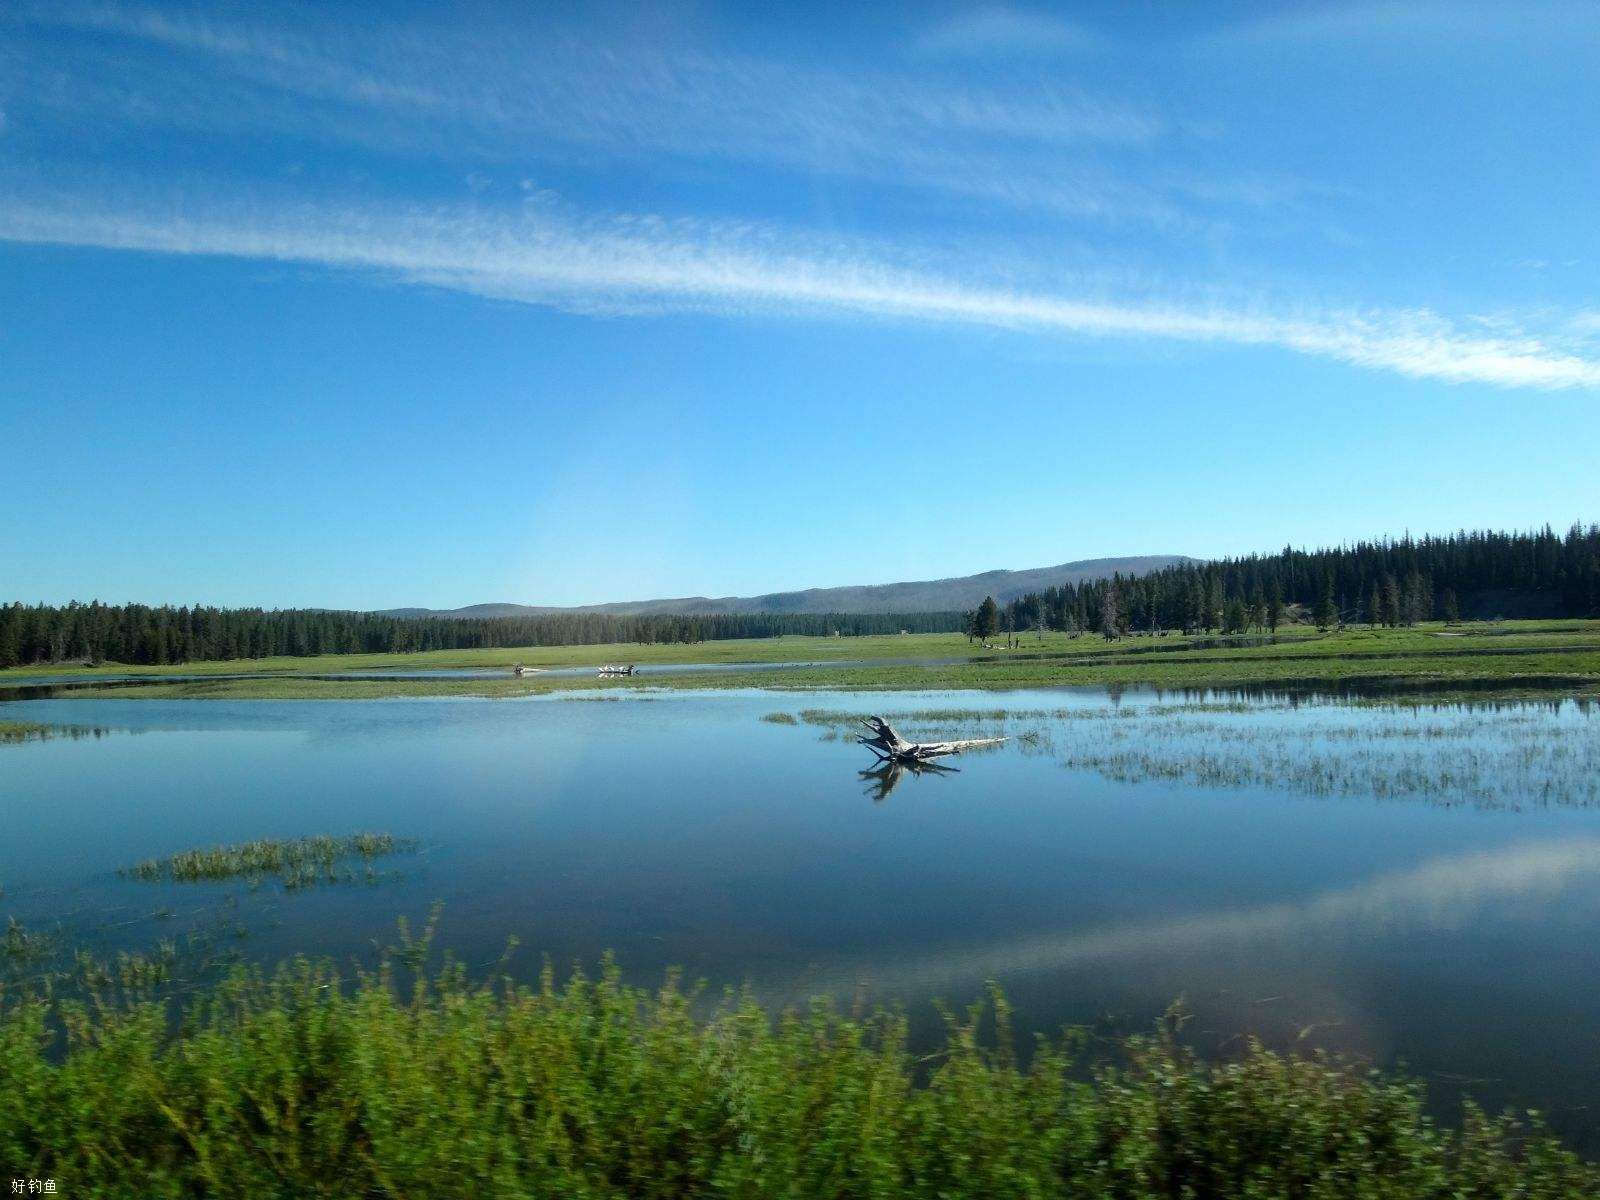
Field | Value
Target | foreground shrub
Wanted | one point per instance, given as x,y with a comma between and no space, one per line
296,1084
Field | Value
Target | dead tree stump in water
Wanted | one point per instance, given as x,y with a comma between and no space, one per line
889,746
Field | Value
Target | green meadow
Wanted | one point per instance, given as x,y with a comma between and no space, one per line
1547,655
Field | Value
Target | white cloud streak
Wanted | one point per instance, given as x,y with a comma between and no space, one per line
644,263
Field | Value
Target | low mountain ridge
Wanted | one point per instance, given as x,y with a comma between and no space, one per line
930,595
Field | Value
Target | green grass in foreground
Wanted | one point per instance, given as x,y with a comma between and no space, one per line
299,1085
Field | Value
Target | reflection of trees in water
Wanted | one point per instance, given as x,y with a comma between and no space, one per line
1488,692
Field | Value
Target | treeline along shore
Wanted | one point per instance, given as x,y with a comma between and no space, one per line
1480,574
141,634
1387,582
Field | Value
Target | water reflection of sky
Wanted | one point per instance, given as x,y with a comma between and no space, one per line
681,829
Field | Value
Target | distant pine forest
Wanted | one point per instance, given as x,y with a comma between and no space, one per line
138,633
1482,575
1479,574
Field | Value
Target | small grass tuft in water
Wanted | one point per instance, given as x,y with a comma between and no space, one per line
298,862
23,731
20,946
1501,757
780,718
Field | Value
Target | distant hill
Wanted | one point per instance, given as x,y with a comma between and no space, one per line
930,595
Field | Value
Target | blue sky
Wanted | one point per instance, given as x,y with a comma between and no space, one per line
367,306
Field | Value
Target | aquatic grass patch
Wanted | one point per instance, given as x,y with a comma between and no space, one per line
964,717
780,718
927,724
132,970
1495,755
1501,758
402,1082
297,862
16,732
831,717
20,945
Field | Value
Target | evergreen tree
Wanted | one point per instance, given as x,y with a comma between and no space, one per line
1391,602
1256,615
10,636
1193,607
1110,620
1449,608
1416,599
1212,616
988,622
1327,614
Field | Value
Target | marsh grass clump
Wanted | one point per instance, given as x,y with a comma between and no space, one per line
401,1082
1500,757
15,732
23,731
780,718
138,972
297,862
21,946
1494,755
832,718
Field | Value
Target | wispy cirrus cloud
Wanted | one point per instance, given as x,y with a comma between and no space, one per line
635,263
1002,31
514,81
1407,23
1031,142
505,97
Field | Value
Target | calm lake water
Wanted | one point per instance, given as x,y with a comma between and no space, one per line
1406,884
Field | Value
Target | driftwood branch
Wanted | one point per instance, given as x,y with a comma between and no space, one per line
889,746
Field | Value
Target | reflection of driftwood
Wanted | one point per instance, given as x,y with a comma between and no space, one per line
614,669
889,746
886,776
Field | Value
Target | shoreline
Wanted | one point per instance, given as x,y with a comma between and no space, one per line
1549,657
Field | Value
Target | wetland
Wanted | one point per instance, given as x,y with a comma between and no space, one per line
1409,881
